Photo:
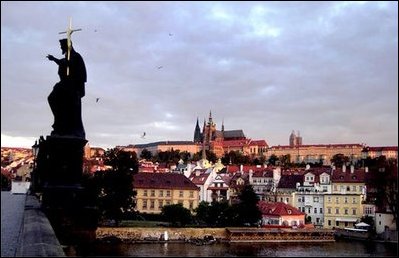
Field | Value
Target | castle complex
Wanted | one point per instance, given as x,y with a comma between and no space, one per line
223,141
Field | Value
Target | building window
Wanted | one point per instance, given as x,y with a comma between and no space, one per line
368,210
191,194
346,199
329,199
336,210
168,193
315,210
145,193
152,204
181,194
337,200
329,222
191,205
353,211
299,199
329,210
160,204
337,223
152,192
144,204
160,193
346,211
321,210
315,199
354,200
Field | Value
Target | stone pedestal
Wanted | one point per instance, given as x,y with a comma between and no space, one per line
67,204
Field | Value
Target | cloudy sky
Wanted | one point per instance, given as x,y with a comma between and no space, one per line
326,69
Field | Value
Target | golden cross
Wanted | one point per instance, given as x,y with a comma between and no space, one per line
69,32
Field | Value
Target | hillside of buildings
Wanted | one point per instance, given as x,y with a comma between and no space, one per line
326,186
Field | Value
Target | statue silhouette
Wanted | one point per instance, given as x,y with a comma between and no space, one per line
65,99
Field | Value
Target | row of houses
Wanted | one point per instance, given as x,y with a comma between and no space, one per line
329,197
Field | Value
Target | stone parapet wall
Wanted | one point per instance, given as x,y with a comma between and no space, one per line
137,234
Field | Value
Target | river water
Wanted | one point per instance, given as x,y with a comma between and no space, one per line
333,249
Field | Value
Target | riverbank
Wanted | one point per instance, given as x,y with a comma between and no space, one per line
140,234
239,234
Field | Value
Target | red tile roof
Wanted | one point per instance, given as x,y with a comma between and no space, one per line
200,179
386,148
338,176
289,181
343,145
162,181
278,209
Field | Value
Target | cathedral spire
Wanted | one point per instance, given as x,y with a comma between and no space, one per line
210,117
197,132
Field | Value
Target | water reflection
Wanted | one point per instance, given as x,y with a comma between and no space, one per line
344,249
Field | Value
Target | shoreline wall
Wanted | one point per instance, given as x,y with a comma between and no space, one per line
139,233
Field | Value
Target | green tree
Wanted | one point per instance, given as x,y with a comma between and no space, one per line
146,154
5,183
202,212
273,159
248,211
172,156
339,160
176,214
185,156
285,160
236,157
210,156
115,186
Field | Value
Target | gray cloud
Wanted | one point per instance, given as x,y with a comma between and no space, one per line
328,69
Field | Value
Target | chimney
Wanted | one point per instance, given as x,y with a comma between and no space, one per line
366,169
241,168
250,176
352,169
344,168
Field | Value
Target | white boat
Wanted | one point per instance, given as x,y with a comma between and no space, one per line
353,233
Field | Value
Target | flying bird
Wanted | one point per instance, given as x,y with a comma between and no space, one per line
159,67
170,34
97,99
143,135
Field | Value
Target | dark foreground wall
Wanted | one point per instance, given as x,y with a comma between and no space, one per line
37,236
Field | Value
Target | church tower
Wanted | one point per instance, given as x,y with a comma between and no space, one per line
293,139
197,133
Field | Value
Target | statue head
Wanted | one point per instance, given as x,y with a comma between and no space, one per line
64,45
